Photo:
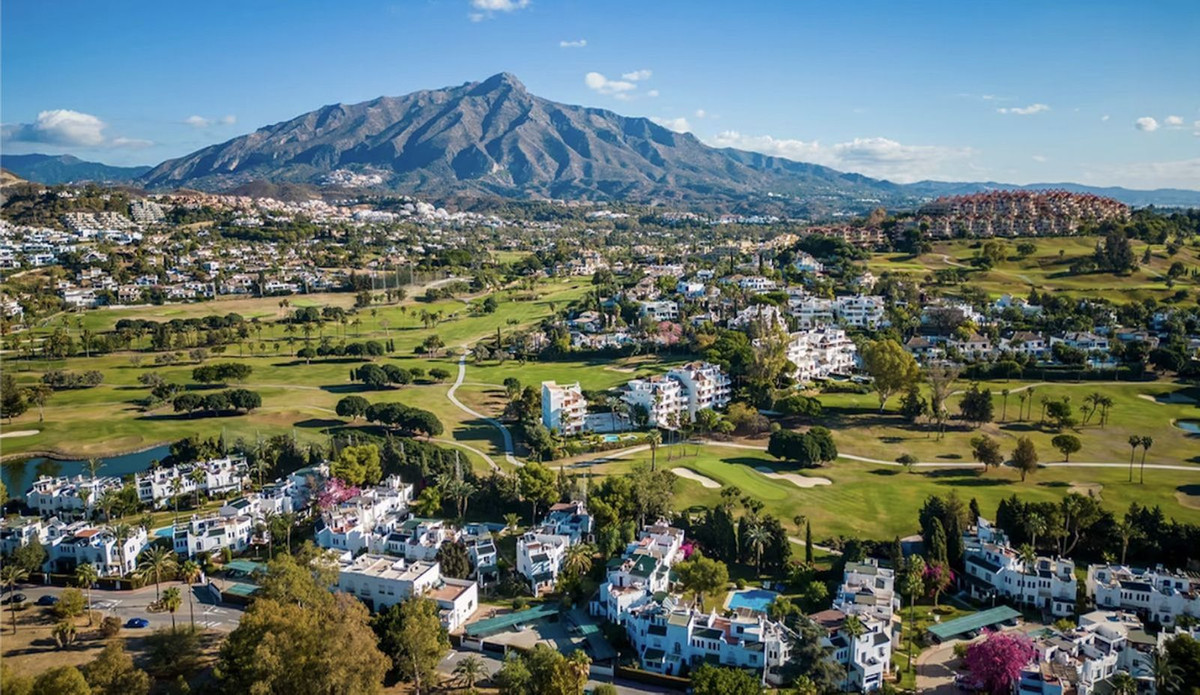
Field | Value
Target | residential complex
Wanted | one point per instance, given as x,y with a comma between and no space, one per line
994,569
383,580
1156,595
564,409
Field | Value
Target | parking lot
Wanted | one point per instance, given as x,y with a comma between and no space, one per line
135,604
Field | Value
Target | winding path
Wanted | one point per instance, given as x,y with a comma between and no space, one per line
508,440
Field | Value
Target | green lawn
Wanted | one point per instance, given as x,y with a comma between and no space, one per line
1047,269
881,502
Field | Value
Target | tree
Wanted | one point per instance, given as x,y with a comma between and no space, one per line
352,407
439,374
30,557
358,465
891,366
298,638
411,634
654,439
701,576
996,662
757,538
718,680
1134,442
1147,442
189,572
12,574
1183,651
1168,676
1123,684
85,576
171,600
1067,444
513,678
157,562
64,633
907,460
70,604
578,560
113,673
12,397
976,405
63,680
986,450
1024,457
469,671
538,486
854,629
454,560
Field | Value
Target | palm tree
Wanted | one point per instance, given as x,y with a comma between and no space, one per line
176,491
93,465
1028,557
155,562
1147,442
1004,410
470,671
188,574
122,532
758,537
1168,676
197,475
853,628
1134,442
1127,532
85,576
171,600
1094,399
1035,525
1123,684
1106,402
578,560
1022,396
580,665
11,575
511,520
654,439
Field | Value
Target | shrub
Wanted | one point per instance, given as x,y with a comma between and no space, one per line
110,626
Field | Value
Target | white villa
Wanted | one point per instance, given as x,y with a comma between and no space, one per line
660,396
643,571
73,496
382,580
995,569
364,521
214,477
705,386
820,353
540,550
1158,595
204,534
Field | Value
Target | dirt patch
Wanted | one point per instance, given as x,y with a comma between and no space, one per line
704,481
18,433
1086,489
794,478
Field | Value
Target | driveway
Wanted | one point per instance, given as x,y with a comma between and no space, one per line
134,603
935,669
492,663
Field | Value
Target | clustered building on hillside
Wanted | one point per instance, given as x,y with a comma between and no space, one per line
1016,213
994,569
542,549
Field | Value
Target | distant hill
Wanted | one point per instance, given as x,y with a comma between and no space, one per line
65,168
1161,197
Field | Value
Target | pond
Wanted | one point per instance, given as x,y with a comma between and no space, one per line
1189,426
18,475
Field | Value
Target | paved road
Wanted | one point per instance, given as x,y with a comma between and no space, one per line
492,663
133,604
508,440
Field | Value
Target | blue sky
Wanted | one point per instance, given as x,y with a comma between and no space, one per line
1096,92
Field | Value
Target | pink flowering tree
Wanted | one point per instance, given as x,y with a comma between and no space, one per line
996,662
333,492
937,579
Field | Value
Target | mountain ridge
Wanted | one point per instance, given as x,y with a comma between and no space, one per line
64,168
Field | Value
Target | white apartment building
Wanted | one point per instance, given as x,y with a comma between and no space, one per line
364,521
641,573
1080,660
672,638
662,310
764,315
564,409
69,545
69,496
660,396
382,581
420,539
860,311
213,478
866,658
705,386
994,569
539,559
820,353
18,532
205,534
1157,595
868,590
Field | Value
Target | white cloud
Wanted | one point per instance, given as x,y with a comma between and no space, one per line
701,113
580,43
197,121
652,93
637,75
1039,158
1183,173
879,157
1146,123
485,9
61,127
131,143
1173,121
1025,110
1104,117
599,83
228,119
679,125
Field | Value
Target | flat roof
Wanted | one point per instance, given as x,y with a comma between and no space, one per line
976,621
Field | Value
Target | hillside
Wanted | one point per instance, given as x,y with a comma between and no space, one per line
56,169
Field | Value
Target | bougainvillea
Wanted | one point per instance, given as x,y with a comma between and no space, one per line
996,662
334,492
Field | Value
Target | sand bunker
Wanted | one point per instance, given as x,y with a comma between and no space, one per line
1172,398
794,478
18,433
1086,489
693,475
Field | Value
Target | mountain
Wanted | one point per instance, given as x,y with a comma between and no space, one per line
56,169
495,138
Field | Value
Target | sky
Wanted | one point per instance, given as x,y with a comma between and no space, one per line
1101,93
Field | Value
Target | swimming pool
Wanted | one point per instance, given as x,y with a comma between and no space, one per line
754,599
611,438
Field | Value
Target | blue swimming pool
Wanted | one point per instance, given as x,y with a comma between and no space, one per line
611,438
754,599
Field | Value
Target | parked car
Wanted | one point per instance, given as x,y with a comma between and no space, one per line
15,598
47,600
137,622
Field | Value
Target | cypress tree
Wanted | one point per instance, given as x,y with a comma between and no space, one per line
808,549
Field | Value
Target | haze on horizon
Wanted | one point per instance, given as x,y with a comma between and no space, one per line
1093,93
